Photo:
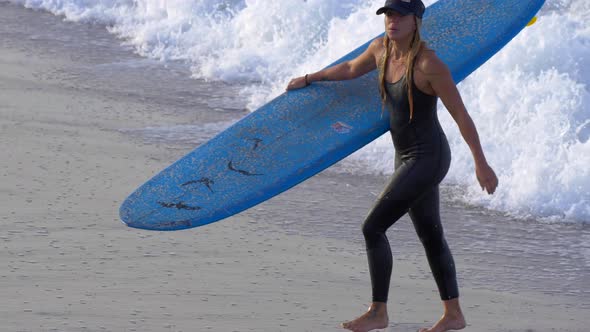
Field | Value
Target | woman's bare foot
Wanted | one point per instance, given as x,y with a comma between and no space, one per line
451,320
447,323
375,318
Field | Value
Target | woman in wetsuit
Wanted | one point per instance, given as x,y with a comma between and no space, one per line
411,78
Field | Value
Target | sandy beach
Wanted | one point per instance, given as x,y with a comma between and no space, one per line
294,263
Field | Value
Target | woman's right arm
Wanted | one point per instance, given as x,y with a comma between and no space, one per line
347,70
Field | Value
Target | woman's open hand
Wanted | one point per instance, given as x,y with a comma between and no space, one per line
297,83
486,177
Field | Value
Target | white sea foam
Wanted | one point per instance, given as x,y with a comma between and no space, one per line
530,102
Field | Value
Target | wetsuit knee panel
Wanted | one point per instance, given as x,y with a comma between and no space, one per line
383,214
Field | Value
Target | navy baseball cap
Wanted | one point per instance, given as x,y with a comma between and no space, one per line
404,7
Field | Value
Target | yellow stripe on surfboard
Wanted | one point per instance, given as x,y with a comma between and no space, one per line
532,21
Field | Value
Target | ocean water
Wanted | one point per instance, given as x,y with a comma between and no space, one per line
530,102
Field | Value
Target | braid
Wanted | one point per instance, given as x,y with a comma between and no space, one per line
415,47
382,70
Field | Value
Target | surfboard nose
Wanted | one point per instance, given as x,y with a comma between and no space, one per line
136,214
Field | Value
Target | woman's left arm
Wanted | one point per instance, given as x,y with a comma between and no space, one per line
442,83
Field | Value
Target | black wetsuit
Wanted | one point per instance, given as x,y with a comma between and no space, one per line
422,159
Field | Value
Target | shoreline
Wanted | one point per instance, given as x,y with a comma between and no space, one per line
72,266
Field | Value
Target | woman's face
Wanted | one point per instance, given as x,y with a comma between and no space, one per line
398,27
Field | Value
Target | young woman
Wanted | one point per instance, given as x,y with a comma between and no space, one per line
411,78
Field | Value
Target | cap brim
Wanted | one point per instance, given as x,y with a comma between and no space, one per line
395,8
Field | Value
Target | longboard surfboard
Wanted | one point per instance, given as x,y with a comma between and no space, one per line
302,132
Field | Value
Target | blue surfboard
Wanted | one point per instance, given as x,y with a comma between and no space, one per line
302,132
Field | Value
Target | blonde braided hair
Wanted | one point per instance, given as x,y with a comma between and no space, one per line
415,46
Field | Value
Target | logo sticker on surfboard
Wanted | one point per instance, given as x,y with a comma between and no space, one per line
341,127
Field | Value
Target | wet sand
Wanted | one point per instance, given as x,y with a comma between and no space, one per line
294,263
